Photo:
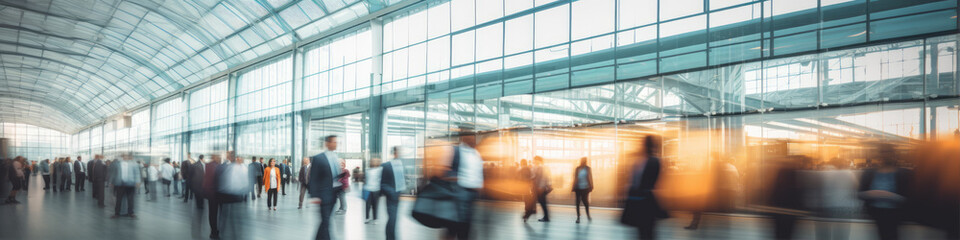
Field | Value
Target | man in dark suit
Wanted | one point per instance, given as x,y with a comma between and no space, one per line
80,177
125,179
324,172
285,175
98,176
304,178
197,173
256,172
210,192
65,171
392,183
185,175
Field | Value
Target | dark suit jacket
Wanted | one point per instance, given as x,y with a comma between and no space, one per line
90,165
285,171
197,177
321,179
185,171
256,169
302,177
98,171
641,203
77,166
210,180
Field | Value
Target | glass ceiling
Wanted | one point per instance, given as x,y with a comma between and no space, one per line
65,64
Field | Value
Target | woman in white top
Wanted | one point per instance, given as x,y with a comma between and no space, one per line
153,174
372,186
271,181
17,179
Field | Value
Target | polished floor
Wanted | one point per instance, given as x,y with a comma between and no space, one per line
74,215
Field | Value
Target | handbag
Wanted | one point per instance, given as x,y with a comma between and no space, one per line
366,194
438,205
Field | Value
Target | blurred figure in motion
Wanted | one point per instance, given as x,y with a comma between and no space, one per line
17,179
232,185
45,173
166,175
642,209
64,170
209,192
185,173
285,175
256,173
392,183
125,178
195,181
726,180
883,191
582,186
344,180
542,186
271,182
324,174
786,196
153,174
371,188
527,191
833,189
936,186
304,178
98,176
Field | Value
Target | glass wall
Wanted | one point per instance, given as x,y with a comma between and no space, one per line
752,80
35,143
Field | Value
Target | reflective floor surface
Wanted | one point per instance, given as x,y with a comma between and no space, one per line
74,215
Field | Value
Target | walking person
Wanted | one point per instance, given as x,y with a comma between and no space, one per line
392,183
285,175
185,174
527,190
80,177
126,177
45,173
152,176
642,209
197,173
65,171
209,192
256,173
343,189
16,177
177,179
582,186
882,190
371,188
304,178
325,173
166,176
542,186
232,186
98,177
271,181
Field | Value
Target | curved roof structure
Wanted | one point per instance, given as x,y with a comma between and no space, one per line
66,64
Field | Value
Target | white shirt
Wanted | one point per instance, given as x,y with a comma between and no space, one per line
372,176
237,179
152,173
273,178
334,167
166,171
471,168
83,167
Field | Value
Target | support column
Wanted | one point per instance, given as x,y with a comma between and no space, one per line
376,109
